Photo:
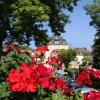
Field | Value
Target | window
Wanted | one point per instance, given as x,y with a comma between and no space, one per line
56,42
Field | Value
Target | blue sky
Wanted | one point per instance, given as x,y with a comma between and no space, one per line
79,33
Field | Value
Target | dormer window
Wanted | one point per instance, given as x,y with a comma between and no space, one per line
56,42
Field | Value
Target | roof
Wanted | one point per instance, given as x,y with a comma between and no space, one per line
82,50
57,40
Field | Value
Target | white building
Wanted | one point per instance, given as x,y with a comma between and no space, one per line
56,44
80,56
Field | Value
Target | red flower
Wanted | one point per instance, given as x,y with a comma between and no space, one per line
59,84
44,71
92,95
42,48
18,87
85,96
22,80
97,74
47,82
31,85
27,78
44,82
33,60
55,61
14,76
84,77
52,85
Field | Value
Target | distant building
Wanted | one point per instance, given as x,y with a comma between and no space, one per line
80,51
79,58
56,44
80,54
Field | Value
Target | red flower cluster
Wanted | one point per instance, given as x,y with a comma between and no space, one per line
85,75
92,95
55,61
97,74
27,78
22,80
42,48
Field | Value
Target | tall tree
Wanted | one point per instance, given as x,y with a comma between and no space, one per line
94,11
58,18
23,20
4,20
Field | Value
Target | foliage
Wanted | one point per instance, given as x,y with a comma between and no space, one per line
57,96
74,96
96,57
13,60
58,18
24,20
87,59
72,72
67,56
22,77
4,93
94,11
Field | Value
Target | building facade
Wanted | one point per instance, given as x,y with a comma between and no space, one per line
56,44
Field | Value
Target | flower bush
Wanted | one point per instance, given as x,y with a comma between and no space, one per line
92,95
27,78
85,77
32,79
56,62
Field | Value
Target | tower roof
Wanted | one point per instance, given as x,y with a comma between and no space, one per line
57,40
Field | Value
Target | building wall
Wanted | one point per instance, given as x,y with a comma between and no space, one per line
55,47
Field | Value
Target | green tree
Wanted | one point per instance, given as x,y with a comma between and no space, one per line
94,11
67,56
87,59
25,19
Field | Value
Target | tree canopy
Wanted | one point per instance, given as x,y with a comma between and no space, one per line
94,11
67,56
23,20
